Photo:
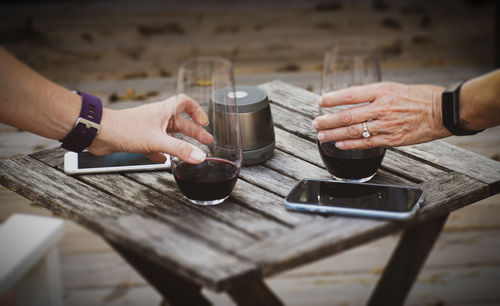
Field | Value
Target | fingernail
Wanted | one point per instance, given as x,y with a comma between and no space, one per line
198,155
320,101
321,136
339,144
315,124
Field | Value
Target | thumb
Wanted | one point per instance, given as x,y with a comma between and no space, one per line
183,150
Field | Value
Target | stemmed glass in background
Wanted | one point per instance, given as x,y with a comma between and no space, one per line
347,64
210,82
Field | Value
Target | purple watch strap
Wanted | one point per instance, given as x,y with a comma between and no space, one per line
87,124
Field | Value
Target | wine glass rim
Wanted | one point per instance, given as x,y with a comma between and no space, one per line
191,63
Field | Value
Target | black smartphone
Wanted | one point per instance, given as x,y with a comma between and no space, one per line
355,199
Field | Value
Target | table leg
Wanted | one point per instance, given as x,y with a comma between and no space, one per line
406,261
175,290
254,294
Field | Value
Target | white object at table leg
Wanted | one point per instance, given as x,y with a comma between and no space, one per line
29,261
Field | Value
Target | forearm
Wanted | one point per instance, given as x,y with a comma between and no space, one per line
32,103
480,102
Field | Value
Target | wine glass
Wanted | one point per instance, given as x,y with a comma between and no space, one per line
346,64
210,82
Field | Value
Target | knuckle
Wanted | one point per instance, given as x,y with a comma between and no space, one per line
387,87
368,142
396,139
346,117
353,131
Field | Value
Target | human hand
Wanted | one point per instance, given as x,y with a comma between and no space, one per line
144,130
396,115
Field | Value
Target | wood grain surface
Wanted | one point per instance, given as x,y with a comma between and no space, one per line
251,234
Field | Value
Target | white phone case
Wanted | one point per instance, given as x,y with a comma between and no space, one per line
71,166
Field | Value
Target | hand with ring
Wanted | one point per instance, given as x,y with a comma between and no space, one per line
396,115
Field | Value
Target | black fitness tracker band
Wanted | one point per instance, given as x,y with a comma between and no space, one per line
450,103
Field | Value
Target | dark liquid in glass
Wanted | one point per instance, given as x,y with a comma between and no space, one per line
213,179
351,164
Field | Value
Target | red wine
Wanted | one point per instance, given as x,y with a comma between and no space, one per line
350,164
213,179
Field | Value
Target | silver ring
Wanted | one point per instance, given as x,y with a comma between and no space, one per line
366,134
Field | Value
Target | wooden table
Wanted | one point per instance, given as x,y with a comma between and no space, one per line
180,248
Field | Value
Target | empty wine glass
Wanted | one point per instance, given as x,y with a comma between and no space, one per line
346,64
210,82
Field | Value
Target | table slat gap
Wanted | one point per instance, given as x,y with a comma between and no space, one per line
87,179
224,213
457,159
96,181
24,176
310,241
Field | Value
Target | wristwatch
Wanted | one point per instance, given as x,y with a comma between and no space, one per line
86,126
450,105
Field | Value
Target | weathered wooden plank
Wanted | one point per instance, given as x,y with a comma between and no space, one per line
237,216
313,241
178,251
165,208
268,179
267,203
293,122
123,224
331,235
449,192
53,156
291,97
61,194
457,159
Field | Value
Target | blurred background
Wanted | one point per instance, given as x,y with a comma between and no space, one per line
127,52
96,40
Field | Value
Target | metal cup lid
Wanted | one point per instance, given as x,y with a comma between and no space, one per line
250,99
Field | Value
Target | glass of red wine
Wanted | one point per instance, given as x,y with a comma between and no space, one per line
346,64
210,82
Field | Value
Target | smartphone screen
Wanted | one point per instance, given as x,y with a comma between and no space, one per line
88,160
355,196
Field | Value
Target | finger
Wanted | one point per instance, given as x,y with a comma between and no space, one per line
188,106
344,118
182,150
351,95
157,157
191,129
363,143
353,131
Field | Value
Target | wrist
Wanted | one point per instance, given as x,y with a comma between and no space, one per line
103,143
437,112
452,112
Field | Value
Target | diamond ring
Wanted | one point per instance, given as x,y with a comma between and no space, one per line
366,134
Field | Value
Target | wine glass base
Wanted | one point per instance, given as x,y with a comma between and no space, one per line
207,203
360,180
